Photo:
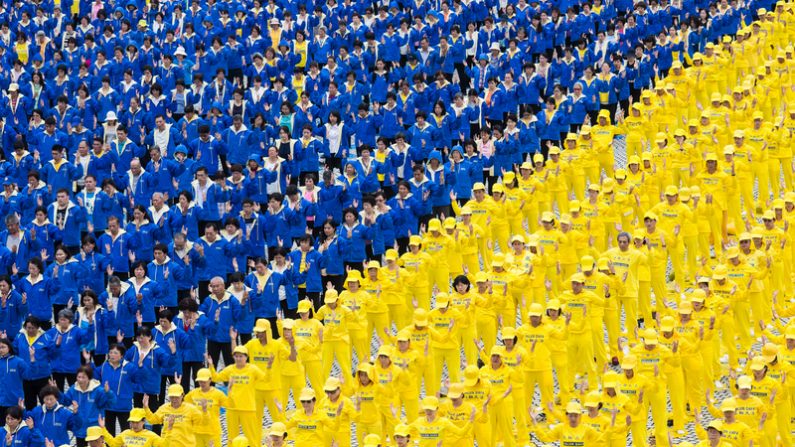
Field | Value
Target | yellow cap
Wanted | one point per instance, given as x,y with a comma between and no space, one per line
288,323
610,379
304,306
372,439
526,166
778,204
94,433
629,362
744,236
573,407
420,317
574,206
481,277
720,272
332,384
203,375
594,187
593,399
769,352
744,382
535,310
331,297
769,215
715,424
650,338
553,304
685,308
790,333
671,190
384,350
602,264
277,429
403,336
587,263
547,216
732,252
449,223
679,132
676,64
175,390
498,260
392,254
508,333
240,350
789,197
554,150
430,403
650,215
306,395
698,296
728,405
402,430
633,160
538,158
455,391
356,276
497,350
577,277
698,57
442,299
478,186
571,137
137,415
415,240
517,238
498,188
466,211
620,174
239,441
715,97
434,225
264,325
738,134
667,323
471,375
373,265
758,363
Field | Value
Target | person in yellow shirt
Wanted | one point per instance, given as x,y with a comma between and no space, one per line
375,284
394,292
209,399
481,205
336,341
626,262
437,244
536,338
516,357
578,304
633,127
422,337
559,347
501,377
418,266
267,355
654,360
364,397
390,379
714,185
603,134
749,409
485,313
462,299
471,241
734,432
691,337
432,429
533,190
413,364
594,211
713,436
242,379
517,199
308,424
459,411
635,387
181,418
607,316
550,240
136,435
502,283
570,433
657,241
477,392
767,389
446,351
673,217
354,298
329,405
308,333
782,373
293,377
618,407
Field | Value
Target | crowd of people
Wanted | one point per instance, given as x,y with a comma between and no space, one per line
397,223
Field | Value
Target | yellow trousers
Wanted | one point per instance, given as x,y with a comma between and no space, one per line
580,351
422,294
439,276
560,363
676,387
410,400
693,381
630,305
378,323
598,334
341,350
341,437
205,440
520,406
451,357
501,421
361,343
762,173
246,421
487,331
267,398
691,249
314,372
612,322
607,161
366,428
467,335
546,386
483,434
742,321
399,314
291,383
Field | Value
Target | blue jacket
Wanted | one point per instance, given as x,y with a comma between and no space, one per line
120,380
117,249
67,354
197,337
13,313
55,423
158,273
312,261
409,210
151,293
75,219
12,372
121,315
28,248
209,210
354,241
265,299
67,281
24,437
45,353
147,377
181,340
332,256
218,257
278,225
230,313
90,404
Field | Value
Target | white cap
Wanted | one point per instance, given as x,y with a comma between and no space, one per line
110,116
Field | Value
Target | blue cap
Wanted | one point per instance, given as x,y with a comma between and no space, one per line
217,105
483,57
255,158
181,148
8,181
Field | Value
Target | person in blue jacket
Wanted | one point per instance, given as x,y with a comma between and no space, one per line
54,420
150,359
196,326
66,273
35,194
92,397
12,373
224,311
119,375
218,253
147,293
22,162
13,307
68,217
59,173
67,339
21,433
38,290
409,210
46,233
38,351
163,334
166,272
94,265
27,244
118,300
307,261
